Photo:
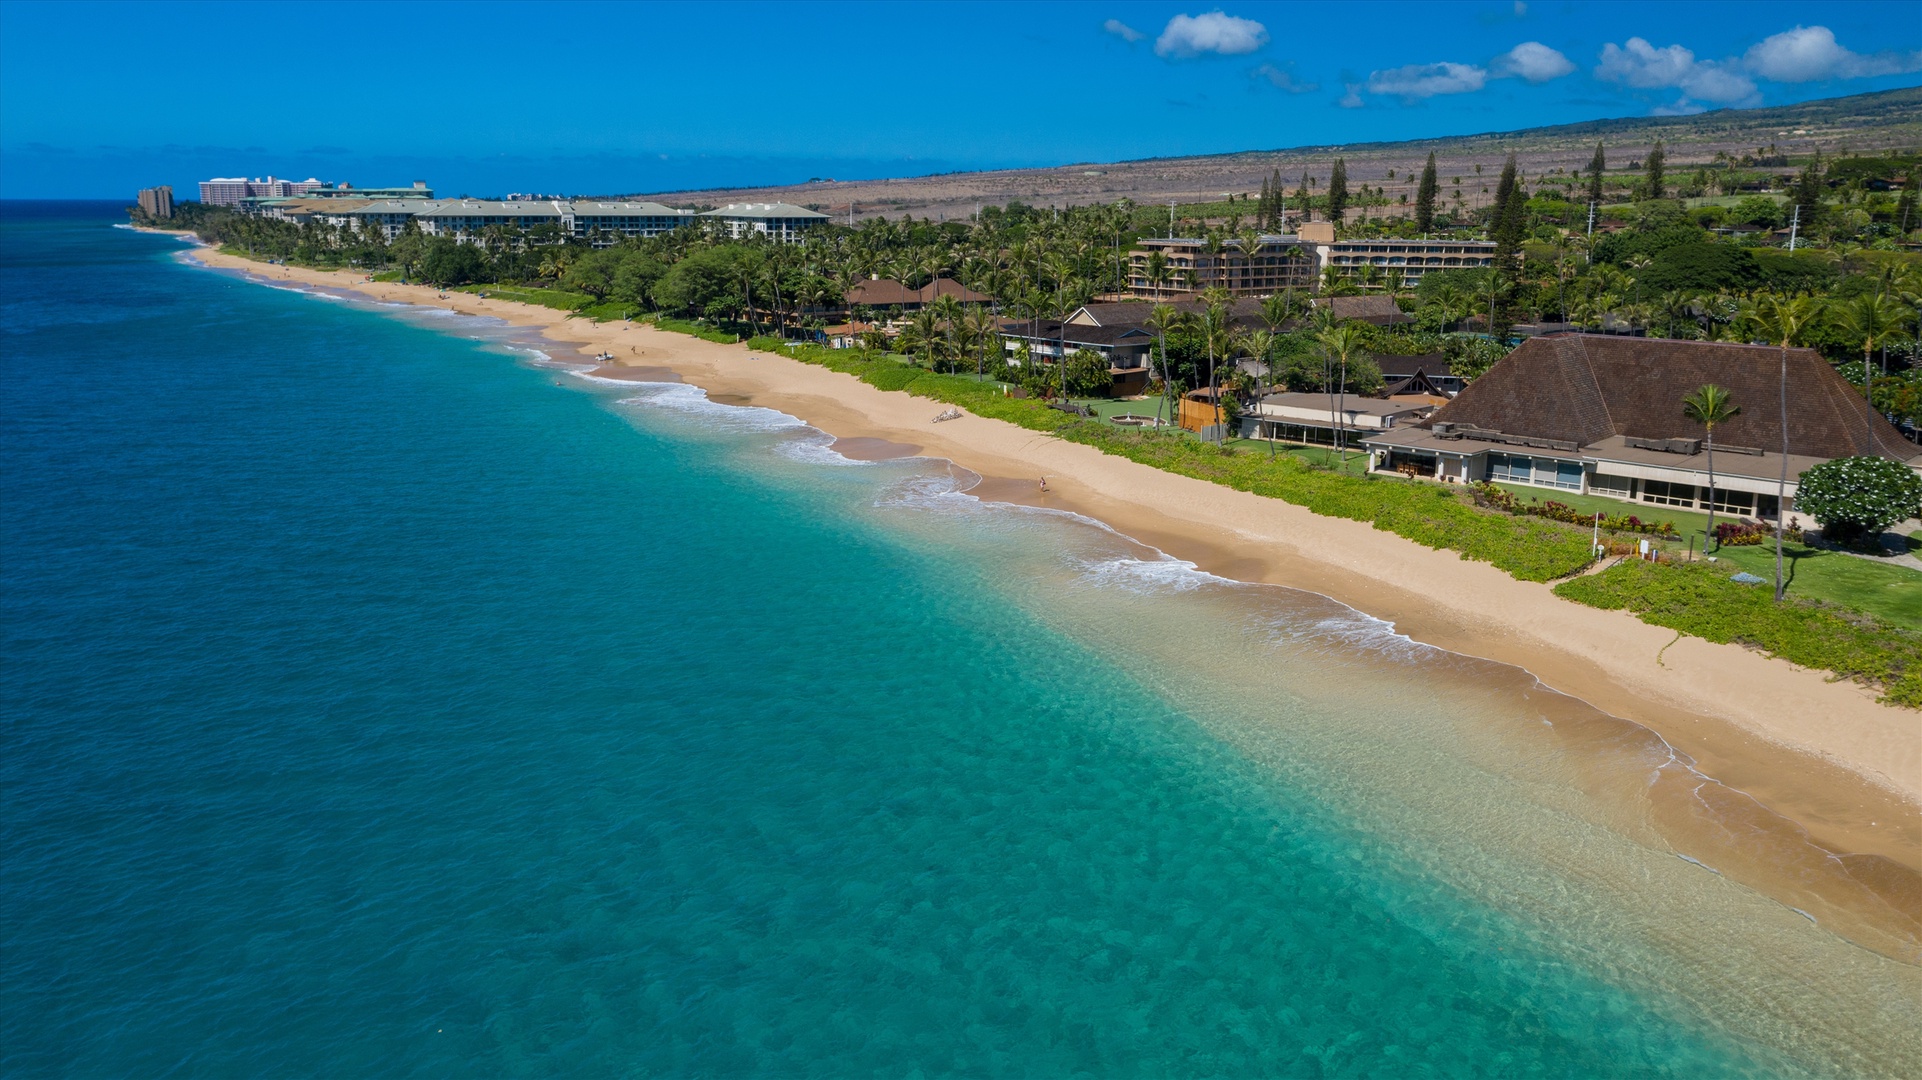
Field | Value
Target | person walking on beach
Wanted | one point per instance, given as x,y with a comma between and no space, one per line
1044,483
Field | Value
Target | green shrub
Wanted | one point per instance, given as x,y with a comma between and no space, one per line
1855,498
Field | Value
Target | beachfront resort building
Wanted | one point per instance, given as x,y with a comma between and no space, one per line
390,216
784,222
417,190
1602,415
156,202
1163,269
605,223
232,190
1370,262
601,224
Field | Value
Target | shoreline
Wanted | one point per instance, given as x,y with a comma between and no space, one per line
1824,754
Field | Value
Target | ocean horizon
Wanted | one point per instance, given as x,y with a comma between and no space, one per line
386,696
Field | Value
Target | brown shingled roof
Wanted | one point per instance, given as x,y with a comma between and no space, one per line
882,292
1588,387
1379,310
887,292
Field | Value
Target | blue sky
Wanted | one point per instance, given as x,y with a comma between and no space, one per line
484,98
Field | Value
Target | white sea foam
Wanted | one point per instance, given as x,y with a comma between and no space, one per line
693,401
1155,576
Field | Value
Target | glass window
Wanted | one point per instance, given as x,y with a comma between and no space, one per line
1620,487
1663,493
1509,469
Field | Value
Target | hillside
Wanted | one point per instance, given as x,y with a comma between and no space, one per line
1859,123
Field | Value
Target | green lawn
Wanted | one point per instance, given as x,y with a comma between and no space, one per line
1872,586
1686,521
1867,585
549,298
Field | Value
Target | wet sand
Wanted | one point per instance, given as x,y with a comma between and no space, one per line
1833,769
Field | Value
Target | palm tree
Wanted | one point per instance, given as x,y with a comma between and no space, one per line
1784,319
947,312
981,329
1214,329
1157,271
1163,318
1708,406
1874,319
1249,241
1260,346
1339,344
1214,244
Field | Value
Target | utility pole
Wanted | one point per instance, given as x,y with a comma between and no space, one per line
1589,255
1795,223
1171,221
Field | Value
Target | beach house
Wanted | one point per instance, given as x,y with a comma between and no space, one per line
1321,418
881,294
1602,415
1125,348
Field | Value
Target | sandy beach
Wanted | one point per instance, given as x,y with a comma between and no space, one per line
1824,754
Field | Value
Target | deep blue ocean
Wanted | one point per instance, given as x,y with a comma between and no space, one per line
383,699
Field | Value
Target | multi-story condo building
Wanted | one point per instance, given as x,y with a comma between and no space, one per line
232,190
466,219
417,190
1185,266
1409,258
784,222
606,222
390,216
157,202
600,223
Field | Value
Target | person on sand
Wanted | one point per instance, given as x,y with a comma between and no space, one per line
1044,483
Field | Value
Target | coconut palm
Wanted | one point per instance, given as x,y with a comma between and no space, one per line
1163,318
1871,318
981,330
1260,347
1340,343
1249,241
1215,332
1785,319
1708,406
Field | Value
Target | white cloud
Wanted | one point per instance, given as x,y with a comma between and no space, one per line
1351,99
1212,32
1533,62
1811,54
1427,80
1643,66
1123,31
1284,80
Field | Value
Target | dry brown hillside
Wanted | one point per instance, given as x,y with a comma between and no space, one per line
1861,123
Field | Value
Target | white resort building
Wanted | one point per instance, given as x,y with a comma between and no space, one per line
784,222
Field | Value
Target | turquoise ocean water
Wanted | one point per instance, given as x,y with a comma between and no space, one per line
380,698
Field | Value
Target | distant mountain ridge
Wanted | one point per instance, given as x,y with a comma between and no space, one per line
1859,122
